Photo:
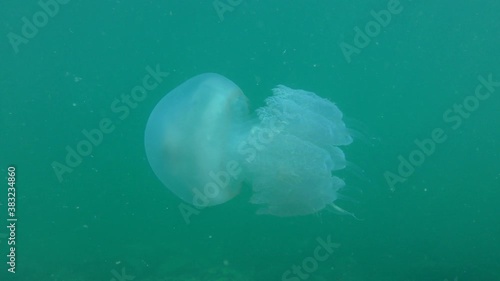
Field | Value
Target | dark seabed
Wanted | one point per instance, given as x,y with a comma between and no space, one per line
419,82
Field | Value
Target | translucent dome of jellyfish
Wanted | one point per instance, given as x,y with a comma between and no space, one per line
204,144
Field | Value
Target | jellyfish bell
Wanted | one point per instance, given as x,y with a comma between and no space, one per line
190,134
202,143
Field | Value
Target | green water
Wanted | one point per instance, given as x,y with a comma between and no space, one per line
109,218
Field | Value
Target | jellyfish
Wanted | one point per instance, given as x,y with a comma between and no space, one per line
205,145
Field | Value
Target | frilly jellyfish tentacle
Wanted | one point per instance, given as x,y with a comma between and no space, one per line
202,144
292,174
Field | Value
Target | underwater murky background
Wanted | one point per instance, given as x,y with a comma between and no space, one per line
65,66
